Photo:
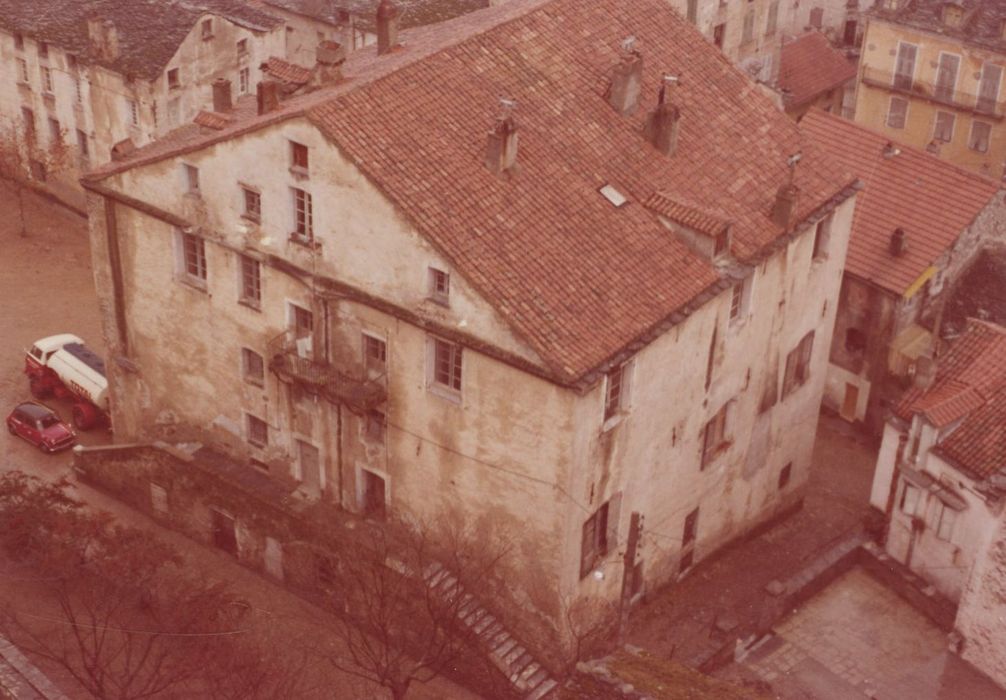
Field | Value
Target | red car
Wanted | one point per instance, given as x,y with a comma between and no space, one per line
41,427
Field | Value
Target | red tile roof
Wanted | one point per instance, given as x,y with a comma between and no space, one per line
809,67
286,72
213,120
685,214
931,199
970,387
577,278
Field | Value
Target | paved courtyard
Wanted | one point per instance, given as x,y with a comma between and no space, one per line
858,639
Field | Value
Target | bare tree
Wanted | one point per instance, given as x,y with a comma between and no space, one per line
401,594
129,622
589,626
23,160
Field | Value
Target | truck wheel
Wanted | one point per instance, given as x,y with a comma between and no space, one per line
85,416
40,389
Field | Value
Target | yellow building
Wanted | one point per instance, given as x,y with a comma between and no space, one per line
931,74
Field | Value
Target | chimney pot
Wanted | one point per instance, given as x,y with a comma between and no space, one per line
623,94
268,96
899,242
222,95
329,57
387,26
501,148
661,128
785,205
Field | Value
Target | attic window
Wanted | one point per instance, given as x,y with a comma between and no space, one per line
19,41
613,195
43,49
207,28
173,79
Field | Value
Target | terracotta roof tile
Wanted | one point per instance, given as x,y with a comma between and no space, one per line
970,387
577,278
809,67
931,199
686,214
213,120
289,73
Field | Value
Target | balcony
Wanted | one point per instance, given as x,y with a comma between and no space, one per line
937,94
290,361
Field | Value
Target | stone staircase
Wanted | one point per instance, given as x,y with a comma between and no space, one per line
528,677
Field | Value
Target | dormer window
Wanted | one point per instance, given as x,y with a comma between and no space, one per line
207,29
439,286
19,41
952,14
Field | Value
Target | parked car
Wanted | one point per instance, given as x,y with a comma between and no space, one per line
41,426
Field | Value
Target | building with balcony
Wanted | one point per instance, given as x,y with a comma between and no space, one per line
594,299
940,483
920,224
931,76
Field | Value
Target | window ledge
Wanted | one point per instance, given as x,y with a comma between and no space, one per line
251,304
193,283
254,382
439,300
309,243
252,218
613,421
444,393
299,172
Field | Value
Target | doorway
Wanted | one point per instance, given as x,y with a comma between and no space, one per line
372,496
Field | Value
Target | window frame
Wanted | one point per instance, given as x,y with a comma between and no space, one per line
249,195
206,29
253,422
438,285
988,137
916,495
173,78
822,238
193,268
446,368
747,28
595,542
797,371
377,360
24,77
303,217
55,131
945,516
617,387
981,104
936,126
241,46
248,361
46,77
716,435
18,41
891,112
133,107
43,49
191,173
249,281
244,80
300,158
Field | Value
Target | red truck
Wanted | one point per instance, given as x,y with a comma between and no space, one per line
62,366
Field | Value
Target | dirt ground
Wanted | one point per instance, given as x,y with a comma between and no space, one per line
47,288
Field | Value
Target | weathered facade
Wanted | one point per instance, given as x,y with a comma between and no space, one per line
931,76
424,305
919,223
940,484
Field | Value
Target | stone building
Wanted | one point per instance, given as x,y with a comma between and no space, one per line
82,77
919,223
595,298
940,483
812,73
930,76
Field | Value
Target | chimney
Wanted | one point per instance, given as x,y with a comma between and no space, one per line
268,96
623,93
787,196
222,95
329,57
890,150
123,149
661,128
387,26
899,243
933,147
501,148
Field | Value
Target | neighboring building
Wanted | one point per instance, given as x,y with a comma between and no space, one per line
919,222
941,481
549,314
840,20
931,76
85,76
979,293
814,74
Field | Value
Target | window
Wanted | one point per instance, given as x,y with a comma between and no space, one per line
173,81
714,435
251,282
693,11
191,178
691,528
719,32
446,365
78,91
946,76
980,135
909,499
855,340
82,149
28,117
943,128
817,17
134,112
773,18
303,216
784,476
207,29
71,62
904,69
798,365
988,88
375,352
55,132
822,236
252,367
945,518
897,113
193,250
43,49
439,285
748,33
301,321
252,204
242,47
243,80
740,300
594,540
46,79
298,156
19,41
375,425
22,71
257,430
616,390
